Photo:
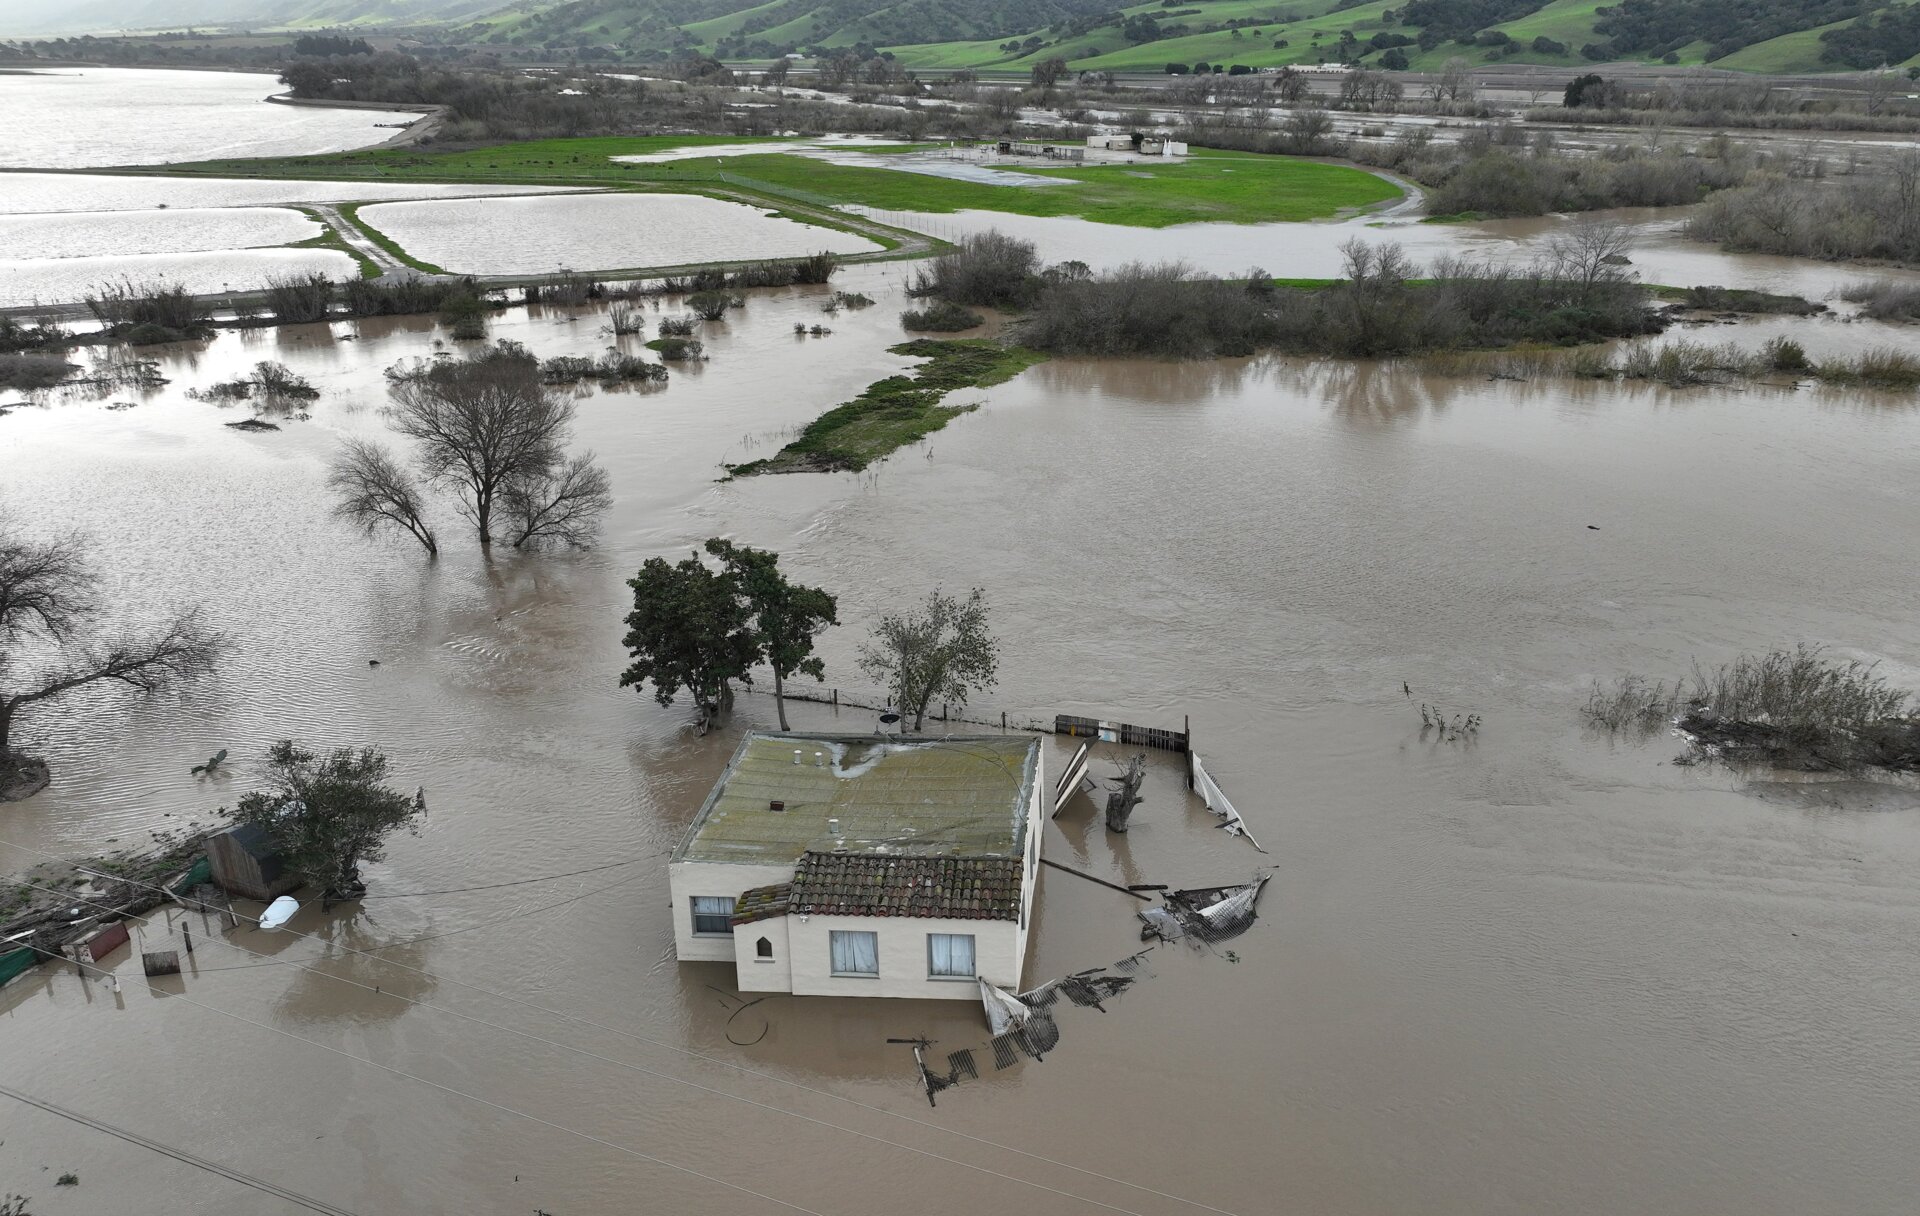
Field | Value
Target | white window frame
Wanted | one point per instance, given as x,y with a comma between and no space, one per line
693,905
833,934
973,956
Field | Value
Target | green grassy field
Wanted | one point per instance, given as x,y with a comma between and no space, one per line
1217,186
897,411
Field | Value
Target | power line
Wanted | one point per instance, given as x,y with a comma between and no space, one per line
518,882
641,1068
715,1060
180,1154
473,1097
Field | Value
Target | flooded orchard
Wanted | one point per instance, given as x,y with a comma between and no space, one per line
1534,971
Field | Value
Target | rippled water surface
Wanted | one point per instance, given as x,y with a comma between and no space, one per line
1540,972
68,279
596,232
73,118
1312,250
40,192
137,232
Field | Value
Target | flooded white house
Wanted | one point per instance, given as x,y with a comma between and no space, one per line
857,866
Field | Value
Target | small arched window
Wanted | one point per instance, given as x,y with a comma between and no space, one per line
763,948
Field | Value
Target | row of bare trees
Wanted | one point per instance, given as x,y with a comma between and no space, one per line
488,431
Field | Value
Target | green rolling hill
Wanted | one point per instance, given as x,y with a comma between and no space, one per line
1013,35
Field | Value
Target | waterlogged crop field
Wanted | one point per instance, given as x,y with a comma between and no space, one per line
595,232
1239,188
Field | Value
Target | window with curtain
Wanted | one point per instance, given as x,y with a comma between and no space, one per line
950,955
854,952
713,915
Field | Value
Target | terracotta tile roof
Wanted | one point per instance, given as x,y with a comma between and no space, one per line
761,903
868,884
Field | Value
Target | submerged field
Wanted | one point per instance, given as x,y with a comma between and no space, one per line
1239,188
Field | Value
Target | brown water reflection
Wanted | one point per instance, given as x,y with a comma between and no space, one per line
1543,973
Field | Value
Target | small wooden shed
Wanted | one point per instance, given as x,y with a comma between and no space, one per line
245,864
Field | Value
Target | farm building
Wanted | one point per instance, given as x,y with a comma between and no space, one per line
1141,142
245,864
858,866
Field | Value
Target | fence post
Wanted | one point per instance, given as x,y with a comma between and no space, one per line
836,698
1003,719
1186,721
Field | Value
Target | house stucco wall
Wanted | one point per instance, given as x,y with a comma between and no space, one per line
902,942
758,974
686,879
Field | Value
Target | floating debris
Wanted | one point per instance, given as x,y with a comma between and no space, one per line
1210,914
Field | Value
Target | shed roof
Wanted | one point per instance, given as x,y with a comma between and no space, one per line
868,884
762,903
953,796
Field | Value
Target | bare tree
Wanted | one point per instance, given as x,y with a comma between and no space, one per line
374,490
1306,132
485,424
561,505
48,602
1455,82
939,649
1590,255
1881,87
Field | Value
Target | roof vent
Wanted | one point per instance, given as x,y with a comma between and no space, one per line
819,759
796,755
833,828
776,805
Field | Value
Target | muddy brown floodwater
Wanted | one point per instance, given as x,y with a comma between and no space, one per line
1539,972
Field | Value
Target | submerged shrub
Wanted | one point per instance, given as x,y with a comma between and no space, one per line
29,371
1785,355
988,270
942,317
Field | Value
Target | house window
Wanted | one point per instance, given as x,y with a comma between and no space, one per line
950,956
713,916
763,949
854,952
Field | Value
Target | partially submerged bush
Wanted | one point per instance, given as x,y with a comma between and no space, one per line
675,350
299,299
1796,707
29,372
1886,301
848,299
1632,702
942,317
126,304
465,316
712,305
1785,355
269,382
988,270
614,367
676,327
43,333
1881,367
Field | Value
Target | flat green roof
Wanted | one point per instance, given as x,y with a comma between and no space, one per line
959,795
